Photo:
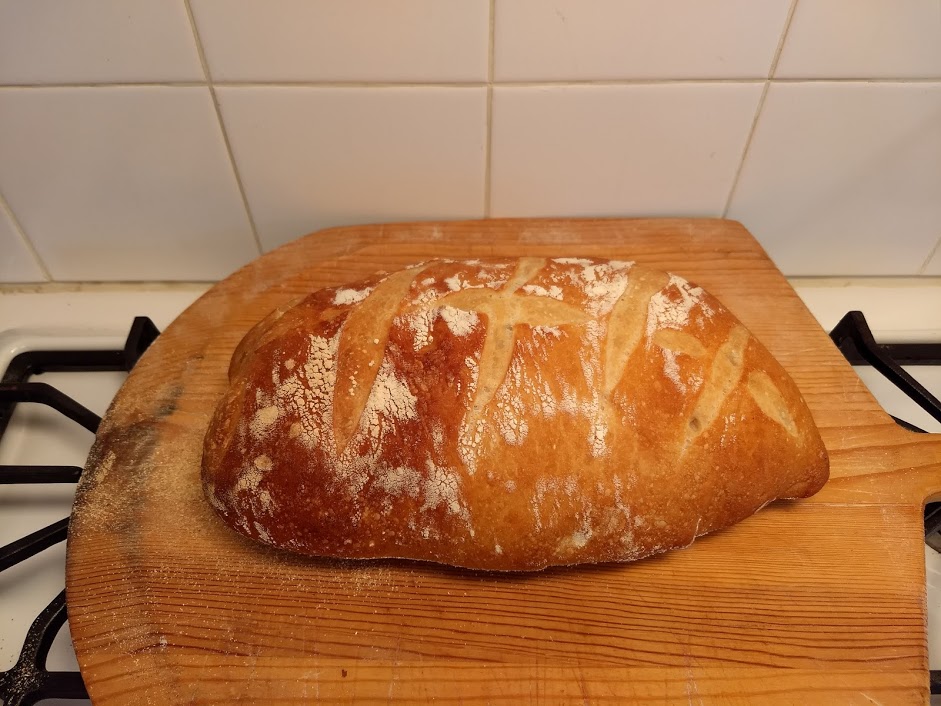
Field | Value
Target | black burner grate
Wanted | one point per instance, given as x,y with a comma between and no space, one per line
28,681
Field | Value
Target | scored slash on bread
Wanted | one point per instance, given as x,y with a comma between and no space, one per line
505,415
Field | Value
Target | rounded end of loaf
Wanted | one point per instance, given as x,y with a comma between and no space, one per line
815,475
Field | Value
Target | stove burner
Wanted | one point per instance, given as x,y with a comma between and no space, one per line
856,342
28,681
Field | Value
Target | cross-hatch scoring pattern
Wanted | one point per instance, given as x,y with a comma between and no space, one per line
505,309
360,354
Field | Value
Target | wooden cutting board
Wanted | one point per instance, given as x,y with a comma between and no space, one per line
820,601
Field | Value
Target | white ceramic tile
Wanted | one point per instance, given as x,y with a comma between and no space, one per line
96,41
933,266
353,40
845,178
317,157
618,150
645,39
122,183
16,262
870,39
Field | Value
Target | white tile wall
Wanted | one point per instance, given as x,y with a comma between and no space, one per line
311,113
642,39
95,41
863,39
317,157
122,183
845,178
353,40
17,264
618,150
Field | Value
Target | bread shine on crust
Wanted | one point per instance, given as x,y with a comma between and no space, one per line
505,415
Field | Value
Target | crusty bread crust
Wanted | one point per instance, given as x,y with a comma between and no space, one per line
505,415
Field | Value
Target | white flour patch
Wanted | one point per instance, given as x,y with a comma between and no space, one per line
421,321
592,407
554,291
425,298
579,539
596,439
605,284
568,403
459,321
672,370
442,488
266,501
469,441
544,487
619,500
728,424
547,331
437,438
571,485
400,481
263,534
548,404
666,312
350,296
420,324
263,419
511,415
389,400
248,481
308,394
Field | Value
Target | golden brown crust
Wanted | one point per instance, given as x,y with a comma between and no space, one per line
505,415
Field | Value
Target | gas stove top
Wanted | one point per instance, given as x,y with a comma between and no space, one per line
97,321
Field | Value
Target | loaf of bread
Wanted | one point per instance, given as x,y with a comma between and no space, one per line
505,415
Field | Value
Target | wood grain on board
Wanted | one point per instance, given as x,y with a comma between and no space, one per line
818,601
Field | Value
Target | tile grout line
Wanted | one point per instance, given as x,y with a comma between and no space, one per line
488,147
225,134
934,251
470,84
27,243
759,108
745,148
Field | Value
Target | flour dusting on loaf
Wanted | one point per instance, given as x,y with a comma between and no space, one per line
505,415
